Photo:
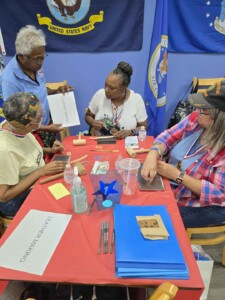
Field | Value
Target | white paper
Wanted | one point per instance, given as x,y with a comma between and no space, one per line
131,142
63,109
32,244
2,46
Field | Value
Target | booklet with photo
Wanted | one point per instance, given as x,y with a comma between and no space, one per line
156,185
152,227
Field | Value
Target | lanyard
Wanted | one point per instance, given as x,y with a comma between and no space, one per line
116,117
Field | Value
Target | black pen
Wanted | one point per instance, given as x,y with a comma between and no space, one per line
106,229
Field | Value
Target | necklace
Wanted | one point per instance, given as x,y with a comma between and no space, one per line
115,109
16,134
193,150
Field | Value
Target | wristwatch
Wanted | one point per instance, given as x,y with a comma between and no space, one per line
180,178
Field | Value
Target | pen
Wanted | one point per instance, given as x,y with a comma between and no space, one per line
106,233
90,207
100,240
112,241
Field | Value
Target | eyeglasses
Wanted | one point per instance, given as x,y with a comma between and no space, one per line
37,60
204,111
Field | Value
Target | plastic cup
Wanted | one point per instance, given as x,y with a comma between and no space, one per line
129,170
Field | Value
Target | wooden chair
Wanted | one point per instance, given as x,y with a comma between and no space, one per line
166,291
55,85
201,84
208,240
4,223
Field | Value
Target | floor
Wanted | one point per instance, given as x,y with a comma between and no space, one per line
216,289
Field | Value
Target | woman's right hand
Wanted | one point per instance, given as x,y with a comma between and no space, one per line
53,167
149,168
97,124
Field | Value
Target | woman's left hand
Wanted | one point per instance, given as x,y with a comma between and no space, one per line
167,170
57,147
122,134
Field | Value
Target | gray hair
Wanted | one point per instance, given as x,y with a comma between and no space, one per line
124,70
29,38
21,107
215,137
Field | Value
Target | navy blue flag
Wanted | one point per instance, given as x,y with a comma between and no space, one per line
76,25
196,26
156,78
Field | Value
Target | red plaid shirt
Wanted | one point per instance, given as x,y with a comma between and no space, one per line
209,168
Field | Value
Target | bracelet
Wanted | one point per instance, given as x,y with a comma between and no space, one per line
133,132
156,149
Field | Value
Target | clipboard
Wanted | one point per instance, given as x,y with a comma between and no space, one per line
156,185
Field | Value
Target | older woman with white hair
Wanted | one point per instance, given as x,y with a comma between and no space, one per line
24,74
196,164
21,156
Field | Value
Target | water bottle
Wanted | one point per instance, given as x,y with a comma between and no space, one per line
68,174
79,195
142,134
117,168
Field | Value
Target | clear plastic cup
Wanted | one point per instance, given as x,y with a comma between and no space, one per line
129,170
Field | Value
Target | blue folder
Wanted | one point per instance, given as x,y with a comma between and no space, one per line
140,257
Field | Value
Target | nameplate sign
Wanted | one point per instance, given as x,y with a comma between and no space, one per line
30,247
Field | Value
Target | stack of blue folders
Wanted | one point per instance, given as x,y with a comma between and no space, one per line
144,258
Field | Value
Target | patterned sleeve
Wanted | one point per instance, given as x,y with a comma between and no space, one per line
174,134
213,190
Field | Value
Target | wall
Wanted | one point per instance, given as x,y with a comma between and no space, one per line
87,71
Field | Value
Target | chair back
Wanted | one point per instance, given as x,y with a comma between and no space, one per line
207,236
55,85
166,291
201,84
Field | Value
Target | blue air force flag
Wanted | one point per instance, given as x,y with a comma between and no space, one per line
156,79
196,26
76,25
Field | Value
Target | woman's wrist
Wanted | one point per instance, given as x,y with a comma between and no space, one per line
157,150
133,132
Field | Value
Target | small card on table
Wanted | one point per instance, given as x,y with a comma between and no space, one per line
152,227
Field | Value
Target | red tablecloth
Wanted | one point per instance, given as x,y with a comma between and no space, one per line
75,259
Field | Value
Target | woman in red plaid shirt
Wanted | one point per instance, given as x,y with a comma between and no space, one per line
196,159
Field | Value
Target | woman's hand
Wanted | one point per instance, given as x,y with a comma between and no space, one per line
167,170
96,124
149,168
57,147
52,167
121,134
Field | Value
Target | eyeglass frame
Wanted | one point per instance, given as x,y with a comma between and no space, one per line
37,61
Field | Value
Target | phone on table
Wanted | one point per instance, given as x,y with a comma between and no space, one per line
64,158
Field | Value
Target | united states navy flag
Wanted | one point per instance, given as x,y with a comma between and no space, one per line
76,25
196,26
156,79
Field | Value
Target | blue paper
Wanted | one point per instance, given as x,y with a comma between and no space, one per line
139,257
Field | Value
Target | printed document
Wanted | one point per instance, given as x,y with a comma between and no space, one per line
63,109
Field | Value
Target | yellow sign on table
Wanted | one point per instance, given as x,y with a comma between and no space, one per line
58,190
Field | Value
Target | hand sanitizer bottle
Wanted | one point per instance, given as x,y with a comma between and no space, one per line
79,195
